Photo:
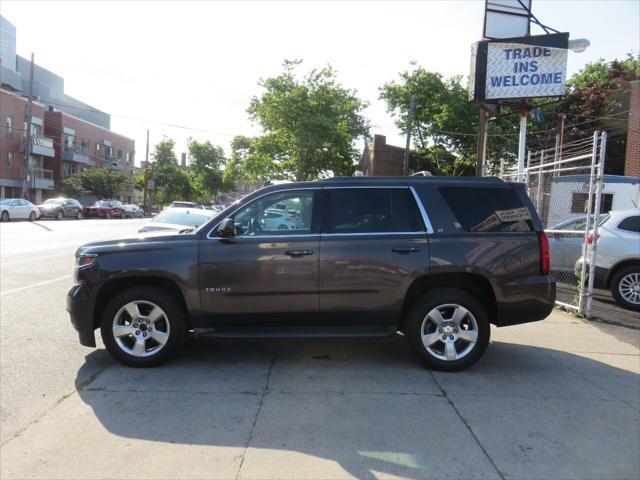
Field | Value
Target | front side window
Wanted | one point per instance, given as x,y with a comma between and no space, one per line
372,210
264,216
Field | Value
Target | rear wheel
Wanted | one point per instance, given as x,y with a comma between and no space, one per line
33,217
143,326
448,329
625,287
5,216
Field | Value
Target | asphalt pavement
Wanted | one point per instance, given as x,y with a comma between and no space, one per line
552,399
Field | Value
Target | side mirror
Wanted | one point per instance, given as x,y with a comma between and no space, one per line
227,228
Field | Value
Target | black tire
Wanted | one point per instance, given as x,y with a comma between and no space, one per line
175,316
615,287
79,215
107,214
32,216
5,216
424,305
60,215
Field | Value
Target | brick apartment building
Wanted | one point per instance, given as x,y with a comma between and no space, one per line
35,175
80,145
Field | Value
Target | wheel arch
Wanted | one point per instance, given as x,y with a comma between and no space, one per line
472,283
118,284
629,262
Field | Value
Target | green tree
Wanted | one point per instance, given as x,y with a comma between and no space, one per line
100,182
309,126
205,170
171,183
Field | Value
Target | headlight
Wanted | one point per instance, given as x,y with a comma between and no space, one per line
85,259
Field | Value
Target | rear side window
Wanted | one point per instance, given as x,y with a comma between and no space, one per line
487,209
372,210
630,224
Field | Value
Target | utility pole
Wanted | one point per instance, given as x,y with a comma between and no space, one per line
482,142
28,170
522,142
412,106
561,134
146,174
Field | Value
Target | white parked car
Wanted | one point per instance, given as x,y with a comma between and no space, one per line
17,208
280,220
617,265
178,219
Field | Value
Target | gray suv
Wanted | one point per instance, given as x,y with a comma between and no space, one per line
438,259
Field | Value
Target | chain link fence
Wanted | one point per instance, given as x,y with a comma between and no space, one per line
565,185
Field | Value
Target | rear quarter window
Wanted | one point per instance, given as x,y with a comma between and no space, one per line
478,209
630,224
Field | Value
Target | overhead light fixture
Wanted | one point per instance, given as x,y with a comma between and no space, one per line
579,45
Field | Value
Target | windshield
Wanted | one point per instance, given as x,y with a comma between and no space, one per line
188,218
52,201
102,203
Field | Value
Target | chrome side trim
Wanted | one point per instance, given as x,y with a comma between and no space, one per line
423,212
263,195
368,234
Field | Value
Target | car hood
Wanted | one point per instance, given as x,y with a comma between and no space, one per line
135,242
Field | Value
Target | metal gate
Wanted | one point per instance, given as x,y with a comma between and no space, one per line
565,186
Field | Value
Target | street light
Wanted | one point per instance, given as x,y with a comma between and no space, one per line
579,45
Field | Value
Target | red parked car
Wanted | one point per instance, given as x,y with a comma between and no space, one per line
105,209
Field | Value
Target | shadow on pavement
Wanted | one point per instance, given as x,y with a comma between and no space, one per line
365,406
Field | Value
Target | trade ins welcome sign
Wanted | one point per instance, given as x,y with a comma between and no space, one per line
517,70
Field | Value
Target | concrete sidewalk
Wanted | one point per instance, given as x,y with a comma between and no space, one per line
554,399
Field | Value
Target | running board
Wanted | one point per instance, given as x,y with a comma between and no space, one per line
295,332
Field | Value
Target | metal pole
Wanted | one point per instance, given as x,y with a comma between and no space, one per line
522,142
501,167
526,174
594,246
412,106
583,271
539,192
27,147
482,142
146,174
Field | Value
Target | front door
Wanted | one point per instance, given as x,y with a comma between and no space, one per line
269,270
374,243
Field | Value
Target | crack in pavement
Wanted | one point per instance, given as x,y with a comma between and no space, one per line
464,421
255,418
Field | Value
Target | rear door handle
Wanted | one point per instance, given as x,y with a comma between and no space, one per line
405,249
298,253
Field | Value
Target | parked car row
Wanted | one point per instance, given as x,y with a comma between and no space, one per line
61,208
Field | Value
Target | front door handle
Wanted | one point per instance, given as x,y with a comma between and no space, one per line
298,253
405,249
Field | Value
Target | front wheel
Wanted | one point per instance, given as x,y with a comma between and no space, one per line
625,287
79,215
143,326
107,214
60,215
448,329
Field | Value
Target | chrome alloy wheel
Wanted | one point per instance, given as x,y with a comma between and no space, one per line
629,288
449,332
141,328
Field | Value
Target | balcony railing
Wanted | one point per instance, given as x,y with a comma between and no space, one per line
71,154
39,145
38,177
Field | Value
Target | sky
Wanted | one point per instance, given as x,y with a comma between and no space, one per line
197,64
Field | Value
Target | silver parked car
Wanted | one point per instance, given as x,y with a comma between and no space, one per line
565,242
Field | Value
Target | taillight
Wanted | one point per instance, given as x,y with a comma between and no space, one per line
545,257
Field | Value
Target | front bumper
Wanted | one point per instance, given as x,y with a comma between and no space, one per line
79,306
528,299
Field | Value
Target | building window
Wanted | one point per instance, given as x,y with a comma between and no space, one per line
120,155
9,127
85,145
69,141
97,147
579,202
9,160
107,152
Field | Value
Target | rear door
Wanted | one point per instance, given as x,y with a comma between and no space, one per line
373,244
